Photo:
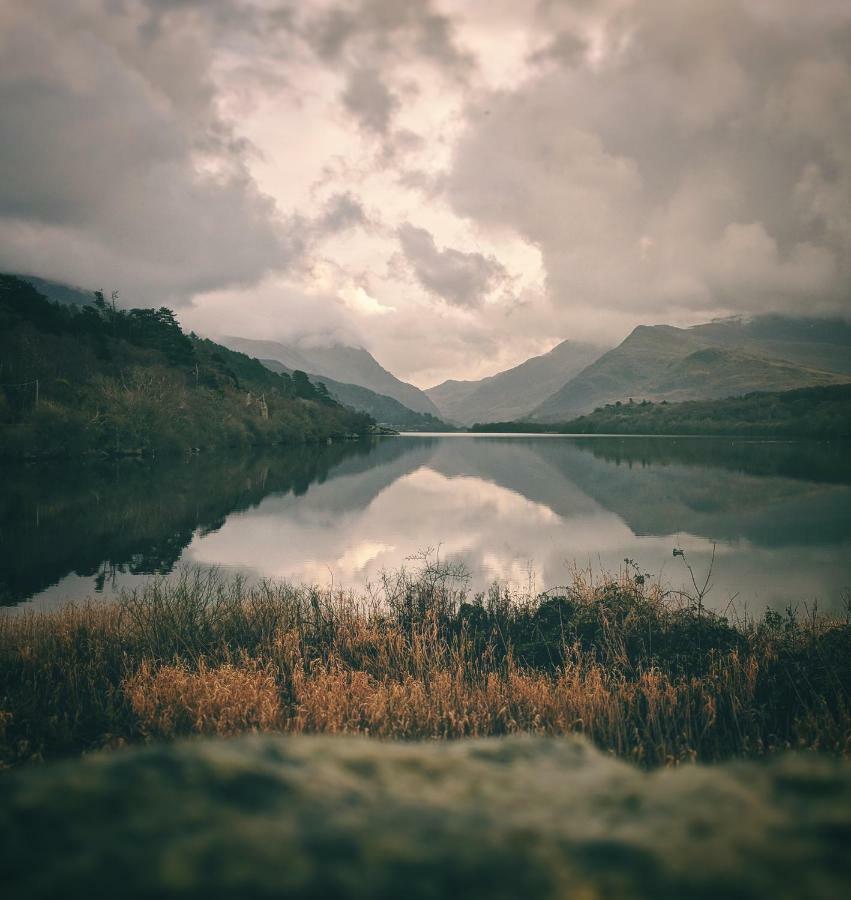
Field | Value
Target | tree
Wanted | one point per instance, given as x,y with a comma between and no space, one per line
322,393
302,385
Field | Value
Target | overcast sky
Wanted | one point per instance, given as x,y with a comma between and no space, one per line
454,184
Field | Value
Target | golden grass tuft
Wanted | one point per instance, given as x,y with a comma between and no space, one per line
223,700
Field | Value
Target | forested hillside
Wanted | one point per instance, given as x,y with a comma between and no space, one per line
99,379
818,412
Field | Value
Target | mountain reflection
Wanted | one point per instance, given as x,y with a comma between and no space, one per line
780,512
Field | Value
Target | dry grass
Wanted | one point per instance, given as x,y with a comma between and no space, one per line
642,673
225,700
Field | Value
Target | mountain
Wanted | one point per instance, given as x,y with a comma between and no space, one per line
58,292
450,397
712,361
813,343
347,365
515,392
385,410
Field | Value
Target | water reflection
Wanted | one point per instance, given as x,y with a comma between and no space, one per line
513,508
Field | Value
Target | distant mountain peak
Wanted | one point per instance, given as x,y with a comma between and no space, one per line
343,363
737,319
324,342
59,291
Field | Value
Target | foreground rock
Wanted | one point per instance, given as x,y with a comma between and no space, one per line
501,818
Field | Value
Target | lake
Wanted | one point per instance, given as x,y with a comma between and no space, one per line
517,509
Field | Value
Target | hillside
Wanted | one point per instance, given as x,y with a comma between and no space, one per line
380,407
347,365
59,292
815,412
813,343
821,412
80,379
711,361
514,392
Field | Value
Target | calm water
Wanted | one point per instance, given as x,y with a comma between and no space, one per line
512,508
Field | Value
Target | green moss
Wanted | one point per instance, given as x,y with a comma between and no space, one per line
357,818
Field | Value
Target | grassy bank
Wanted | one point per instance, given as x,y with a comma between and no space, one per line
645,673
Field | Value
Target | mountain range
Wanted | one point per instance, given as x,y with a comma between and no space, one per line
720,359
513,393
723,358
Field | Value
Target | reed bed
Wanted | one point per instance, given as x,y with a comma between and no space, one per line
645,673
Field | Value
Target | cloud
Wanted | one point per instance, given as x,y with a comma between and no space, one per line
357,299
280,308
118,158
369,100
461,279
260,163
369,39
691,155
342,211
746,258
384,26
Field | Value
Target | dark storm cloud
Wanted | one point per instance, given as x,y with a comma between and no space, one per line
693,155
461,279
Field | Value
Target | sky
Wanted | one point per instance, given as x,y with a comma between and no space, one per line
455,185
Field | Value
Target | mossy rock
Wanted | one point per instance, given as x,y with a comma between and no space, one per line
324,817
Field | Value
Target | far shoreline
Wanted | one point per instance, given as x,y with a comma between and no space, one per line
757,439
